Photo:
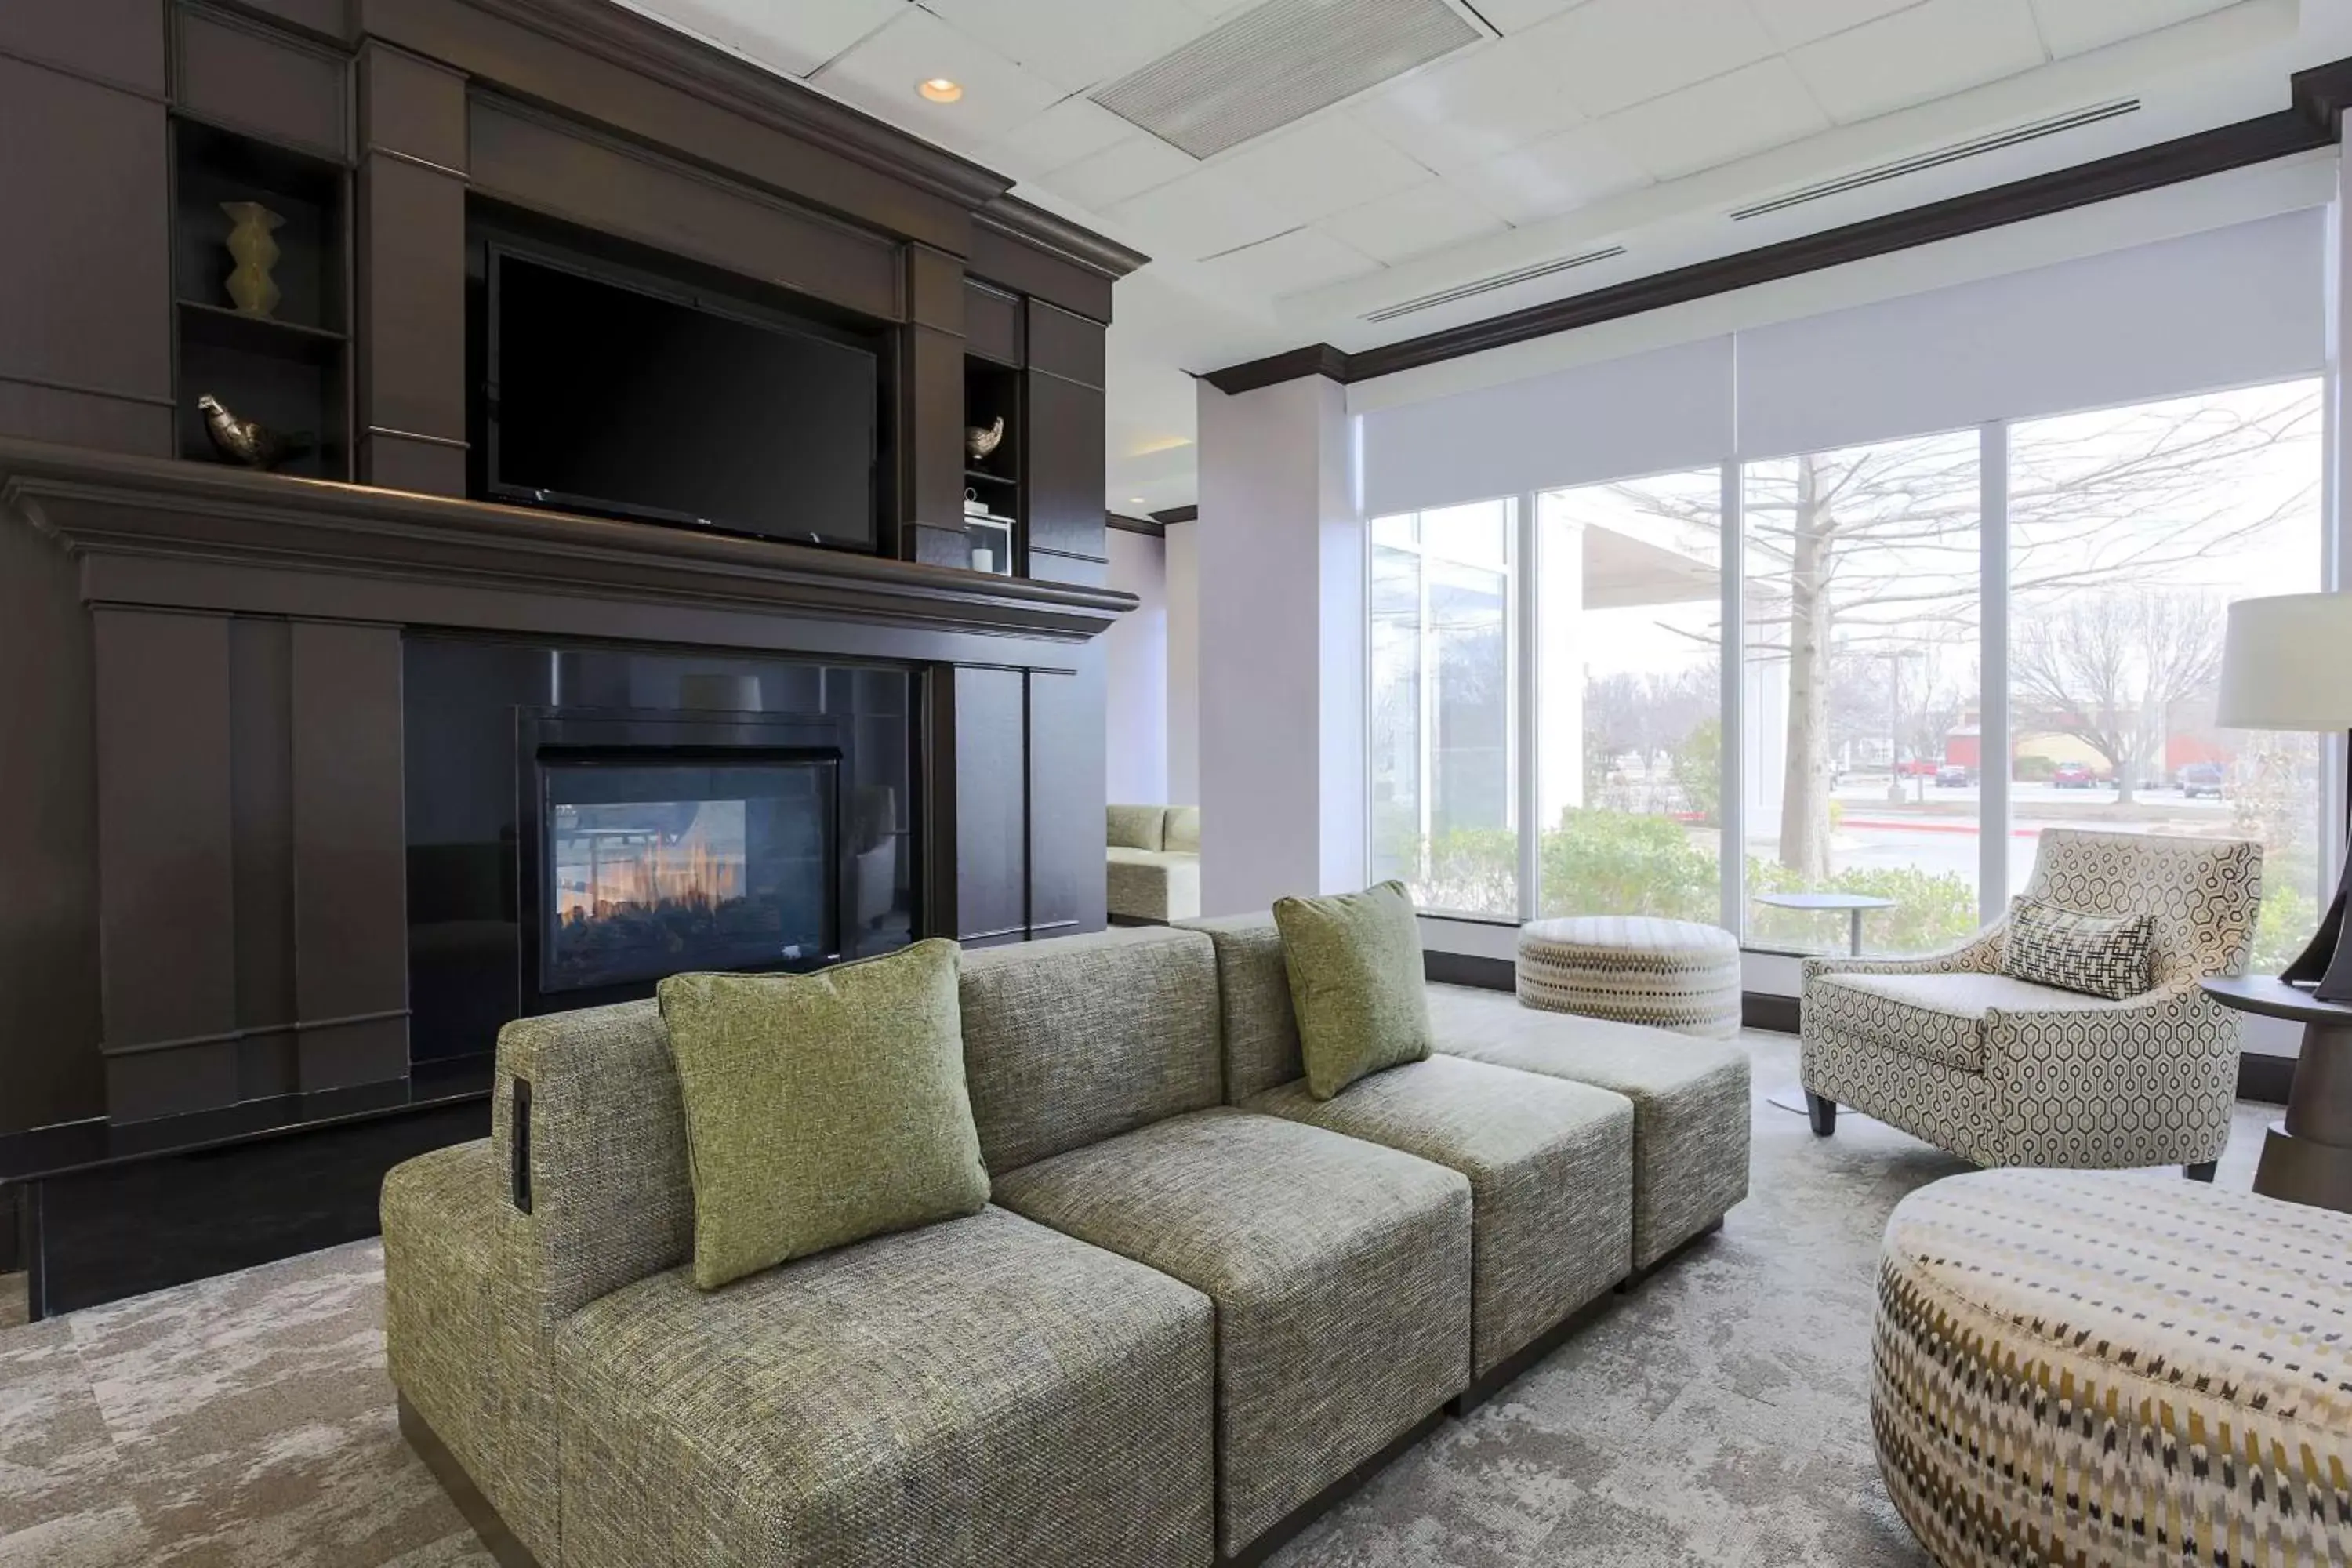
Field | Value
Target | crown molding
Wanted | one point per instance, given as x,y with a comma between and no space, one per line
2321,96
1056,236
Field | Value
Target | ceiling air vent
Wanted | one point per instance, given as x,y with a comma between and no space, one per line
1488,285
1976,147
1278,62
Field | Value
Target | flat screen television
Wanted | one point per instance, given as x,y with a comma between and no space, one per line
605,393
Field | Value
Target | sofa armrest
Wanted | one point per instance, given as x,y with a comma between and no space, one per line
1979,954
2175,1021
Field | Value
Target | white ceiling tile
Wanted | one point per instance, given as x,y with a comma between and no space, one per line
1611,54
794,39
1122,169
1075,44
1473,106
1073,129
1287,264
881,73
1763,105
1205,212
1555,175
1518,15
1930,51
1795,22
2078,26
1325,166
1412,223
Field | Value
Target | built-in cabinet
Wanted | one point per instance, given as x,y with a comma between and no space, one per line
222,854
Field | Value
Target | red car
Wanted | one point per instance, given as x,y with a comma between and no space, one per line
2074,775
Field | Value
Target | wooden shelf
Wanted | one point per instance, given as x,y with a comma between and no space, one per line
231,329
980,475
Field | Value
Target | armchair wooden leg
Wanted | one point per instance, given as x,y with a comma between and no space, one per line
2200,1173
1824,1113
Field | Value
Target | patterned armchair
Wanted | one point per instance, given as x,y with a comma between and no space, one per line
2006,1072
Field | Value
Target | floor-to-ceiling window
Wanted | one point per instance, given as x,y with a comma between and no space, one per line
1443,768
1628,649
2130,531
1858,680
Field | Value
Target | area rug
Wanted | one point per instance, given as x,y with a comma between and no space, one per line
1718,1414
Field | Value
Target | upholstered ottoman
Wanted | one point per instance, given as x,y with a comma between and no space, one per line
2111,1368
1634,969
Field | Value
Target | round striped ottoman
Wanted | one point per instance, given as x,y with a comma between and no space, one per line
2115,1368
1634,969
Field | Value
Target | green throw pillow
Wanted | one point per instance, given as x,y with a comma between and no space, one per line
1355,983
821,1109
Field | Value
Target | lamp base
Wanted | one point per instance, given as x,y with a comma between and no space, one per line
2324,967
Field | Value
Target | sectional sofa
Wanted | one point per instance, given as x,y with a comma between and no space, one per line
1200,1304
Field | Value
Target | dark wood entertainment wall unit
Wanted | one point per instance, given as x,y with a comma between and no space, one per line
214,727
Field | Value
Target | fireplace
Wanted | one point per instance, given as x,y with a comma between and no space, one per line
655,842
654,866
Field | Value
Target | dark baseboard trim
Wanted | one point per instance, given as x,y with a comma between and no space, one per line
1467,969
1769,1010
2320,95
489,1528
2265,1079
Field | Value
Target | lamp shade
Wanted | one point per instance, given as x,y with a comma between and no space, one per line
2287,663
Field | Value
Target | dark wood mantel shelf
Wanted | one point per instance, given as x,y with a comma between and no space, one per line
162,531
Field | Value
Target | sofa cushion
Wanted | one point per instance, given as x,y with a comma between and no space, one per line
1073,1040
1550,1165
1136,826
2098,955
1691,1106
821,1109
1261,1031
1152,885
1181,830
982,1391
1340,1272
1936,1017
1355,983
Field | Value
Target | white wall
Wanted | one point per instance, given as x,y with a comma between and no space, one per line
1281,648
1183,589
1135,657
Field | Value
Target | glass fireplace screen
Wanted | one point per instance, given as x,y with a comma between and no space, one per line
654,868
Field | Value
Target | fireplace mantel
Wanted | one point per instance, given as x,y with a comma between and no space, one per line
160,532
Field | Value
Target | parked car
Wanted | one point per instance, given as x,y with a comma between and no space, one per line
1954,776
1916,768
2202,779
2074,775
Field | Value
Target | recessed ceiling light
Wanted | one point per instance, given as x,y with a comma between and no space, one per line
1135,500
940,89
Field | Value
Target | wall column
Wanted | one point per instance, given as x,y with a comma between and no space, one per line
1183,539
1281,640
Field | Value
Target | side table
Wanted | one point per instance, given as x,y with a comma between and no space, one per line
2307,1157
1854,906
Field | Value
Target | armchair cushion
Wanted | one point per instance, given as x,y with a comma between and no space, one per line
2098,955
1934,1017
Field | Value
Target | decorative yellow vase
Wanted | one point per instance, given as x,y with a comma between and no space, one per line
256,251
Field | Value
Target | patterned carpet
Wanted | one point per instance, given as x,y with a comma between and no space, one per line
1717,1416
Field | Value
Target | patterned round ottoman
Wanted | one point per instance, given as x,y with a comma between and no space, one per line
2115,1368
1635,969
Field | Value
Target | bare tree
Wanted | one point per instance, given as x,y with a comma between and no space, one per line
2107,667
1863,550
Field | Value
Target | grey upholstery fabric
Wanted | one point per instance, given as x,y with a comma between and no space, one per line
1550,1165
1261,1032
979,1392
612,1198
1135,827
466,1338
1152,885
1690,1101
1340,1272
1180,832
1080,1038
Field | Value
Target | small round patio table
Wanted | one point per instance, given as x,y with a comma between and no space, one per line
1792,1095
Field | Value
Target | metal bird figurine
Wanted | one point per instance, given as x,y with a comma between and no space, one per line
244,441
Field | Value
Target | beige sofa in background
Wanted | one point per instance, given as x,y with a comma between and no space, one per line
1155,864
